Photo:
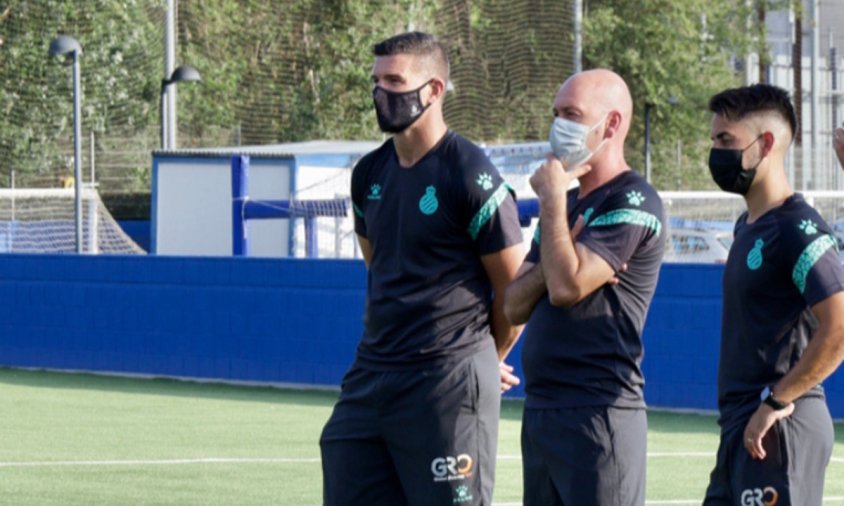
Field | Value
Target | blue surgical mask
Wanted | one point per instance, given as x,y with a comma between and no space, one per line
568,141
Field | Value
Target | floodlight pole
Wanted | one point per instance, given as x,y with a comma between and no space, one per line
169,96
648,107
60,46
577,50
164,83
77,150
184,73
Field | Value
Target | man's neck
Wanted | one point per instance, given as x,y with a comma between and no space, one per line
767,194
603,170
415,142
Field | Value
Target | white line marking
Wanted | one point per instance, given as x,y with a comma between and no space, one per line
674,501
680,454
161,462
278,460
650,455
838,460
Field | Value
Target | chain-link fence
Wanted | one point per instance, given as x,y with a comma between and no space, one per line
271,72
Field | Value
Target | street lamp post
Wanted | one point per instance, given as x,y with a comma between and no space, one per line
184,73
672,100
64,45
648,107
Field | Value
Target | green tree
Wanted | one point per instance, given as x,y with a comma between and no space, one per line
299,69
297,73
35,90
674,56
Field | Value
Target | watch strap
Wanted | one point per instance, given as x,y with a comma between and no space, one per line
772,401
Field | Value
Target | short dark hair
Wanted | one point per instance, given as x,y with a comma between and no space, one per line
736,103
416,43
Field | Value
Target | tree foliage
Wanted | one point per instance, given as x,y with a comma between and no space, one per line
291,74
299,69
674,56
36,90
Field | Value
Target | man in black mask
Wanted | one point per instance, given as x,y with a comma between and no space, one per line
782,330
417,418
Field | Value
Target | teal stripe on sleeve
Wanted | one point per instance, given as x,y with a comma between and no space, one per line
487,210
628,216
813,252
536,234
358,210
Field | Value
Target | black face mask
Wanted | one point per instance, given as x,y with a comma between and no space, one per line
397,111
727,171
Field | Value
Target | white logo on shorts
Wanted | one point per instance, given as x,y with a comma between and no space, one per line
452,468
759,497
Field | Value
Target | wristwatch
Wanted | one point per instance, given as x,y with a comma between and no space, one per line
769,399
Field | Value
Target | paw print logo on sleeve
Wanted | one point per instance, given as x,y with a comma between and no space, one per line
809,227
485,181
635,198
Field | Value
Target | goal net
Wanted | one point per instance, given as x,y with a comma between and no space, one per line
44,221
330,232
699,224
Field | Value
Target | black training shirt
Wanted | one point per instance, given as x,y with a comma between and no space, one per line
590,354
778,268
428,297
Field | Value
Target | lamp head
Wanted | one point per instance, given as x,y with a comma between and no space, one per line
184,73
64,45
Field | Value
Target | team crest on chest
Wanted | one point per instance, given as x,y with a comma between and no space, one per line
754,256
428,204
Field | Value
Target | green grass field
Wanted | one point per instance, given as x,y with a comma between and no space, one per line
68,439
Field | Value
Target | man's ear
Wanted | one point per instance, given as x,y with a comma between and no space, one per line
438,88
768,140
613,123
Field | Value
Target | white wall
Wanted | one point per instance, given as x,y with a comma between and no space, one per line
192,203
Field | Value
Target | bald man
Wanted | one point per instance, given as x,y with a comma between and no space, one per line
838,144
584,290
782,330
417,418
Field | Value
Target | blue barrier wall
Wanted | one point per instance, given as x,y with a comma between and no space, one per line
284,321
216,318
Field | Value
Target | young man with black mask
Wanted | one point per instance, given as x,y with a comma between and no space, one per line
782,330
417,418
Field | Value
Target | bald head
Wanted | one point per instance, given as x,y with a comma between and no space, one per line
594,93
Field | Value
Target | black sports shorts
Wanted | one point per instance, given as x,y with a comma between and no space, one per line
424,437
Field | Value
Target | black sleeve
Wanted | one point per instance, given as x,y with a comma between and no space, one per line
625,222
811,254
491,206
